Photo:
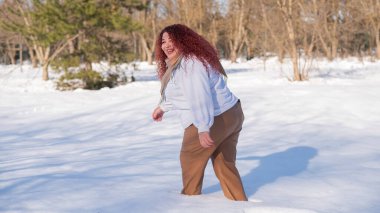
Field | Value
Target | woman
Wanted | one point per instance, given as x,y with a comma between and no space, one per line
192,83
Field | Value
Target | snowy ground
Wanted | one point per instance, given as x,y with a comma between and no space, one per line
305,147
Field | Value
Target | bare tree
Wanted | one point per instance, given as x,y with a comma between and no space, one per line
148,18
287,8
284,28
202,16
235,27
11,48
274,26
328,16
370,10
27,26
12,41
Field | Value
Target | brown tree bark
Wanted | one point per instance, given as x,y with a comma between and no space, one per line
278,43
327,14
11,52
148,51
378,44
286,8
20,53
33,57
236,29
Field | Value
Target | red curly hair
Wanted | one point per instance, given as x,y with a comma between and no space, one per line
189,43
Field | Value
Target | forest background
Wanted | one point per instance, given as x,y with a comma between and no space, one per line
63,34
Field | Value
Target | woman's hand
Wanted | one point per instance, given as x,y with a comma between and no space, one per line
205,140
157,114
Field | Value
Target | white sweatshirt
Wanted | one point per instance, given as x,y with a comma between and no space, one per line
197,94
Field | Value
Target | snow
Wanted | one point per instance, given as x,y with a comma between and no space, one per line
305,146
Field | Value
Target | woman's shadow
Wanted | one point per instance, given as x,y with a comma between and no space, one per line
271,167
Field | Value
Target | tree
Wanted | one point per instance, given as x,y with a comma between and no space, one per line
370,12
273,26
236,31
284,29
148,18
329,19
44,27
104,29
203,16
11,41
98,28
288,12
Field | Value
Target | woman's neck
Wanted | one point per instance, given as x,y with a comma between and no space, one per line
172,61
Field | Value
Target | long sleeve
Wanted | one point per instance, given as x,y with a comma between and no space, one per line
195,84
166,105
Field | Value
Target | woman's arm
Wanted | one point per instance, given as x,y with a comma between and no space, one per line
195,84
196,87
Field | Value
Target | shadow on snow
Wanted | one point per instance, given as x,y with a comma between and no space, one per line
272,167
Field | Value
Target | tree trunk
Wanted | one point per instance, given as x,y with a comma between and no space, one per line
147,51
334,39
33,57
45,71
12,57
378,44
287,15
88,65
150,58
308,47
20,52
214,33
141,53
281,55
296,71
233,56
325,47
237,31
11,52
70,44
232,51
42,55
293,53
275,37
334,48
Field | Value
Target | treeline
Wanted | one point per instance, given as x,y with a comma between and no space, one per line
80,32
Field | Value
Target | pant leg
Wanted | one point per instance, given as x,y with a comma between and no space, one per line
224,157
223,160
194,157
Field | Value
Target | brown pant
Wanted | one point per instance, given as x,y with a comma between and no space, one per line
225,133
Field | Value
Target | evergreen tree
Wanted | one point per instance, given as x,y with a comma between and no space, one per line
104,27
43,26
91,29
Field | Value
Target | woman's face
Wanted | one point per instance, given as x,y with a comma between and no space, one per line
168,47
